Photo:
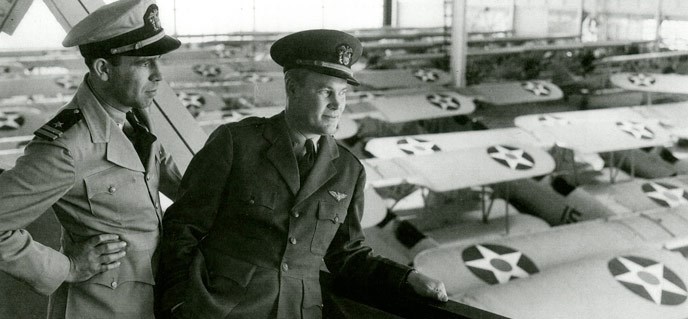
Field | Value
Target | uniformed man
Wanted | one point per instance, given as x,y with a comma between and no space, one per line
100,166
266,200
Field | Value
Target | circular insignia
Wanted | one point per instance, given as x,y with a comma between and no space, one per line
192,101
665,194
511,157
414,146
552,120
649,279
496,264
536,88
344,54
444,102
68,82
641,79
207,70
257,78
10,120
637,130
426,75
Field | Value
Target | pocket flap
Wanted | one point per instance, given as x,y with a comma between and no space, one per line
135,266
238,270
106,182
259,198
331,212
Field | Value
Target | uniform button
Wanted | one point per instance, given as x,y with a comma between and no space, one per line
148,177
336,218
112,189
296,214
285,267
157,205
251,201
113,284
292,240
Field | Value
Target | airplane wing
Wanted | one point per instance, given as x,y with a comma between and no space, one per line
669,115
640,283
412,107
651,82
11,13
595,131
517,92
402,78
444,171
400,146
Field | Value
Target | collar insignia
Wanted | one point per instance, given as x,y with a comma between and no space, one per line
337,195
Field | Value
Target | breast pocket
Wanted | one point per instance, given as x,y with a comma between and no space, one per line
330,217
256,211
115,193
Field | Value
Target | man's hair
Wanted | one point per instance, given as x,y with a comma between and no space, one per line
114,60
294,77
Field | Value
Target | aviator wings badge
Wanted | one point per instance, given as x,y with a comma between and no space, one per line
337,195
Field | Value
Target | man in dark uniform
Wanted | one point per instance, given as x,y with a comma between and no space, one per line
266,200
99,165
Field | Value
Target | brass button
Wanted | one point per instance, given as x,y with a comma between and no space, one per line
292,240
113,284
148,177
157,205
336,218
296,214
112,189
285,267
251,201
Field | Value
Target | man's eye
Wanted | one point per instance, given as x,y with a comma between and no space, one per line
324,92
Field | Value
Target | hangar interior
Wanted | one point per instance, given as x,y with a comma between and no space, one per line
531,154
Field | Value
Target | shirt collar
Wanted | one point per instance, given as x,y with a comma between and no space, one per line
116,115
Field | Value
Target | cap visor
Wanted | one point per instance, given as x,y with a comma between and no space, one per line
331,72
162,46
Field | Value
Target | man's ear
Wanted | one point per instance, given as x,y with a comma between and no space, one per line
101,69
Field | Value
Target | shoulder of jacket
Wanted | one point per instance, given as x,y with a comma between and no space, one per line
59,124
247,122
346,152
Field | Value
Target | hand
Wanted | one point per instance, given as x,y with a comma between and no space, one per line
427,287
93,256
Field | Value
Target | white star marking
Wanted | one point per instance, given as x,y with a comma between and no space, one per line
255,78
551,120
426,75
445,102
207,70
641,79
508,263
671,196
191,99
638,130
9,120
66,82
416,147
512,157
650,277
537,88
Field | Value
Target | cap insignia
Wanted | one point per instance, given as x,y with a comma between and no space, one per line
151,17
344,52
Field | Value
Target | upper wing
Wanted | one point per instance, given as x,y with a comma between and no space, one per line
651,82
517,92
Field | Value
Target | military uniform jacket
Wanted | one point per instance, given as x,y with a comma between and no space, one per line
95,182
244,240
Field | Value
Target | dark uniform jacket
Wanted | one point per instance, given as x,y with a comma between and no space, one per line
95,182
246,241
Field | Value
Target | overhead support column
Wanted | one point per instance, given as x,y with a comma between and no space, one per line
458,43
658,30
387,13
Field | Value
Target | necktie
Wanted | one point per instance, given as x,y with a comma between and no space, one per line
139,137
307,161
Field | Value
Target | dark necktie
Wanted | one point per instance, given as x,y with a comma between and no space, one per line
140,138
307,161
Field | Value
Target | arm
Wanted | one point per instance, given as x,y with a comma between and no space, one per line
169,174
353,263
189,219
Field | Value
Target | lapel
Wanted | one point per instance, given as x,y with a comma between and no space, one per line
323,169
147,138
119,149
280,153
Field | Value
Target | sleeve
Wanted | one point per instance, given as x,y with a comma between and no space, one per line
39,179
352,263
170,177
189,219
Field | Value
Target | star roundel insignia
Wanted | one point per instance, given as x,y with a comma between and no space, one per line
641,79
649,279
256,78
444,102
67,82
552,120
637,130
426,75
192,101
512,157
537,88
414,146
11,121
207,70
495,264
665,194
